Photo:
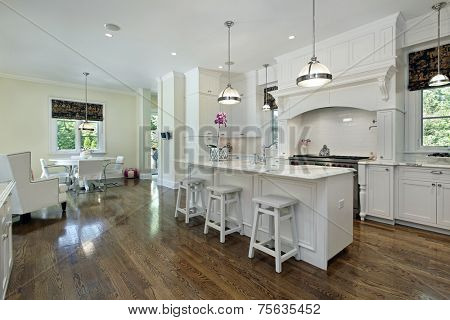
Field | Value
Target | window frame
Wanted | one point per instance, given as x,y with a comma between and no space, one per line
422,146
53,131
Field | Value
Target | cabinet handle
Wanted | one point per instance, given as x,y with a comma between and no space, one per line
387,169
436,172
381,157
439,185
433,184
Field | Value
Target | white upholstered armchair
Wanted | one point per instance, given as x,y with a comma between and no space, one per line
30,195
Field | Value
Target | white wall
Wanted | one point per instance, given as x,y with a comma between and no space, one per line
325,126
25,123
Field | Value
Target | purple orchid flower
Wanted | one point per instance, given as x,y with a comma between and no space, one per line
221,119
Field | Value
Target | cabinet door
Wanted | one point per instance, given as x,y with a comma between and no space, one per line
209,83
385,135
380,195
417,201
3,270
443,205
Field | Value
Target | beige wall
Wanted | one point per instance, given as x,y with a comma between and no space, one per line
25,123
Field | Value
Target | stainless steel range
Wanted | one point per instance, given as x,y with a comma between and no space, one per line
334,161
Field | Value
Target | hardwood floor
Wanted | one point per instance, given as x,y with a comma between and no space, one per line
126,244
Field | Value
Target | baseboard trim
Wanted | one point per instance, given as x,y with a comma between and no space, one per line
422,227
168,183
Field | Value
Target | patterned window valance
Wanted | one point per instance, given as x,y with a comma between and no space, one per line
423,66
271,100
75,110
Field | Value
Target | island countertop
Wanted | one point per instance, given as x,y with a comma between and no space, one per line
308,172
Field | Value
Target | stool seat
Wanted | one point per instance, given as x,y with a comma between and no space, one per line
275,201
224,189
192,181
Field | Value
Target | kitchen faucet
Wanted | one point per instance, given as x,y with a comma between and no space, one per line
264,157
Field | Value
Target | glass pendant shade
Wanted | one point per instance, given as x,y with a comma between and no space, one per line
266,107
87,126
314,74
229,96
439,80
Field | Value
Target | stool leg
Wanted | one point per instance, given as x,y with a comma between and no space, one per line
202,197
177,208
188,203
251,250
222,218
277,241
294,233
271,231
241,216
208,210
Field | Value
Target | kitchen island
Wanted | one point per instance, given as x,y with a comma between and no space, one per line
325,194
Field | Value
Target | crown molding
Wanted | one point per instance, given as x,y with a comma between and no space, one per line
64,84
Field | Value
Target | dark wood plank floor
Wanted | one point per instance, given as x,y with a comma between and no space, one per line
125,244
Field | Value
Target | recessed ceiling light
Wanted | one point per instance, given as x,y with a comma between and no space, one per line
220,67
174,53
109,35
291,37
111,27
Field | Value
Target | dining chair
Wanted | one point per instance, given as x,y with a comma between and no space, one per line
88,170
46,174
113,169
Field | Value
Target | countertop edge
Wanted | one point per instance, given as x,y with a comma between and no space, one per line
6,191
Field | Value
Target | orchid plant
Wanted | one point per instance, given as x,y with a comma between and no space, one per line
221,119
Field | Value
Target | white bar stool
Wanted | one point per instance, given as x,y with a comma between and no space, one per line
279,209
194,192
222,194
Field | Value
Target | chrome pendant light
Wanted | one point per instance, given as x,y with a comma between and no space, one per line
314,74
229,95
439,79
86,125
266,106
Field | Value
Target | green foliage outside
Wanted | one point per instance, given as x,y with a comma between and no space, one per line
65,134
436,117
154,133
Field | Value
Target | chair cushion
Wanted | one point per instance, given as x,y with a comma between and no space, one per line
63,188
224,189
275,201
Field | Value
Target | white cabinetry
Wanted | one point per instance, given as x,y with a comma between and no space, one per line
390,134
424,196
443,204
6,256
380,183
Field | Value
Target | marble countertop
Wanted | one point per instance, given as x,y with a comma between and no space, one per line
307,172
5,189
417,164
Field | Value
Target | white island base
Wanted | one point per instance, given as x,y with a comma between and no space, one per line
324,214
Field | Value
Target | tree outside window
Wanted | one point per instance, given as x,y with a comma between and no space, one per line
436,117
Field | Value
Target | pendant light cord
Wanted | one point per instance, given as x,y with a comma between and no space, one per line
85,94
265,95
439,41
229,56
314,29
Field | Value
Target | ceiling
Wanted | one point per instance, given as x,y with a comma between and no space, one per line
58,40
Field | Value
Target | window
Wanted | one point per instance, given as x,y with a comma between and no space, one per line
68,139
274,125
436,117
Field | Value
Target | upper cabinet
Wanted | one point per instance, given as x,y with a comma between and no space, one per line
201,80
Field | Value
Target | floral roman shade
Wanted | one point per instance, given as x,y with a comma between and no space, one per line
75,110
271,100
423,66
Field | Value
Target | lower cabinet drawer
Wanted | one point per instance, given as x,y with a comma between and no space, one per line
431,174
